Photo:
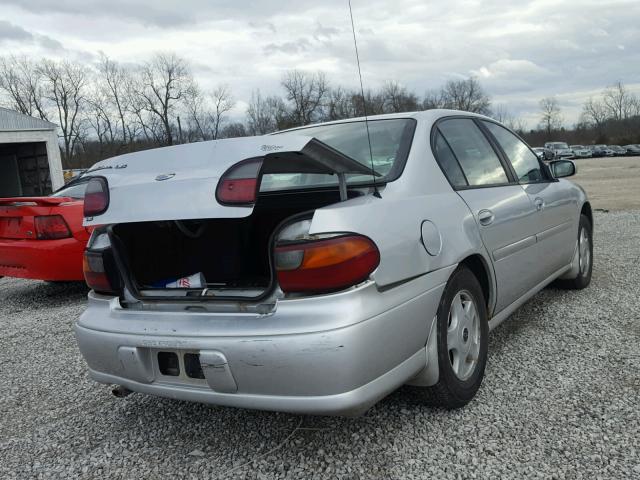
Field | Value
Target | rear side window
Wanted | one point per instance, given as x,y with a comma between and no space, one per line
479,162
524,161
448,162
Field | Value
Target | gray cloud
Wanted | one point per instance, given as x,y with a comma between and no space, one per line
521,51
15,33
165,13
263,26
298,46
48,43
325,33
9,31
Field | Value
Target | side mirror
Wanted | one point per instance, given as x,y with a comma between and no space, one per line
563,168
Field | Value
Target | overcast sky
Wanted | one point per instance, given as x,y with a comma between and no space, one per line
520,50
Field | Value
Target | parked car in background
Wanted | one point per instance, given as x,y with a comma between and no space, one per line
618,151
543,153
580,151
560,149
601,151
632,149
310,293
42,237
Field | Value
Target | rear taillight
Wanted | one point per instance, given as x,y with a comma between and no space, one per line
51,227
96,197
239,184
326,264
94,272
98,265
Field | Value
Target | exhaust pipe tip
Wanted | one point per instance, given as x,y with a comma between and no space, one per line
121,392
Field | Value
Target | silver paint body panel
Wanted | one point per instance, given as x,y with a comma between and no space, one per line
336,353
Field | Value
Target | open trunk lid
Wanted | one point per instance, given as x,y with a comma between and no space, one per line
179,182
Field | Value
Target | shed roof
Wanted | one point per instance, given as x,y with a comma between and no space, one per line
11,120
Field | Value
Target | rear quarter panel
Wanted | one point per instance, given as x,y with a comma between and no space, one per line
394,222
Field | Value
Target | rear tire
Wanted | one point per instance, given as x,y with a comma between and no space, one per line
462,337
585,257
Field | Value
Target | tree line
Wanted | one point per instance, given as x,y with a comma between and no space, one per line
107,108
612,117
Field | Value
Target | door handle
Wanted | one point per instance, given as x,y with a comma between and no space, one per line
539,203
486,217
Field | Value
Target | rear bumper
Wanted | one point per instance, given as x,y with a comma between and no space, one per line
42,259
332,355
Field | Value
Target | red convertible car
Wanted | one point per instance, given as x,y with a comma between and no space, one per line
43,237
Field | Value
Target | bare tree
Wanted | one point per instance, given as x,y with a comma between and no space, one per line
198,114
232,130
467,95
165,81
142,122
115,81
504,116
550,116
635,107
339,104
307,93
372,103
260,115
397,98
618,101
594,112
223,102
433,99
101,118
23,82
66,88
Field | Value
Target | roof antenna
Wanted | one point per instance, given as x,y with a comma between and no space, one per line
376,192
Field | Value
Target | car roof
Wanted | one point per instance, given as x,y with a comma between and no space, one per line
425,115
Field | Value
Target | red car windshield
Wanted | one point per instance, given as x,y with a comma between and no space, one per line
73,190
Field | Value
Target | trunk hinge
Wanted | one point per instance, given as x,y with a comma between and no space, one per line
342,183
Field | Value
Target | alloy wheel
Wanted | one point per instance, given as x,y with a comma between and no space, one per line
585,251
463,335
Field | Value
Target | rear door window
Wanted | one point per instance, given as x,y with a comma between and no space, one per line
448,162
524,161
476,156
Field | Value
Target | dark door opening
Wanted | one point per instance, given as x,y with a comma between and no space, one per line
24,170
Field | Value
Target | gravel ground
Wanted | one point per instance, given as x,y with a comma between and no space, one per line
561,399
611,183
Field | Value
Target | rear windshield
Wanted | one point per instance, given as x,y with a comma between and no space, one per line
73,190
390,144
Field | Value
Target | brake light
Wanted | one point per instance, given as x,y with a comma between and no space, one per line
51,227
239,184
98,265
94,272
96,197
325,265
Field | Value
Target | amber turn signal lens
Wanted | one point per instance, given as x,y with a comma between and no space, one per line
326,265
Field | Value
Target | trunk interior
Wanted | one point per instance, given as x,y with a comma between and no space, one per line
232,254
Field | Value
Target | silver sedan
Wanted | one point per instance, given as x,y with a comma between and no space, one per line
316,270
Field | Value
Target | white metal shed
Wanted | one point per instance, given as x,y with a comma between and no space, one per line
30,162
